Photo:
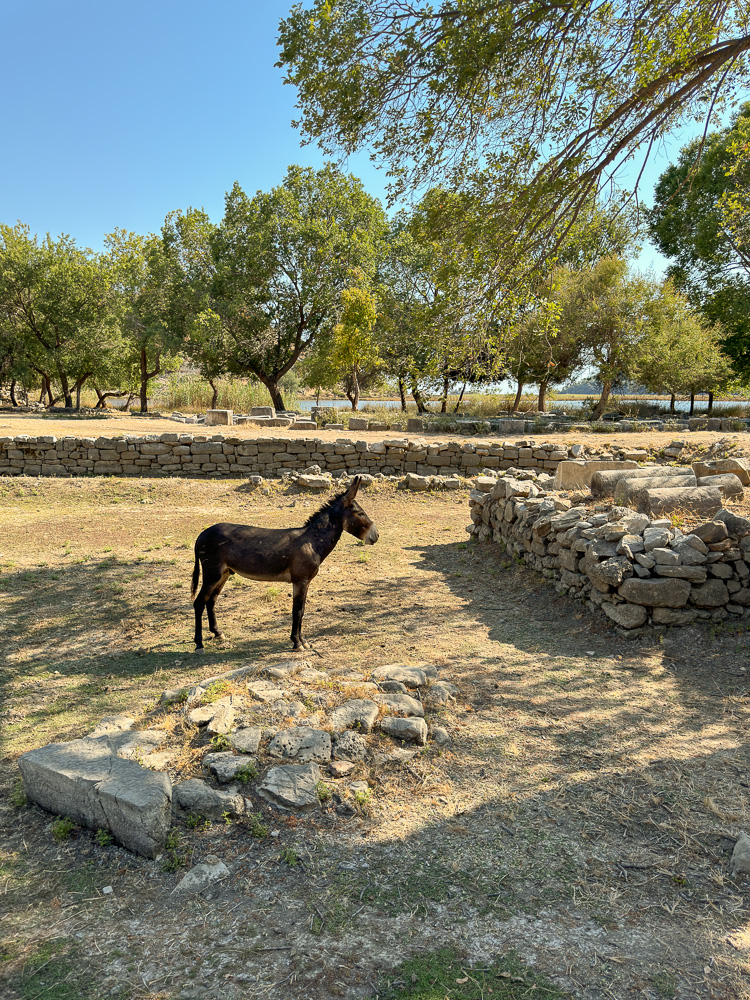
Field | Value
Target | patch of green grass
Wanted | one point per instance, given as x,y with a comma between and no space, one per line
248,772
665,985
195,821
324,792
220,742
17,797
174,853
214,691
55,972
288,856
103,838
442,975
62,828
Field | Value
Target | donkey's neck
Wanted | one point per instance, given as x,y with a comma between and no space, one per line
324,531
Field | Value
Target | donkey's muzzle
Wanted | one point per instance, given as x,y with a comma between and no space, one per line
372,536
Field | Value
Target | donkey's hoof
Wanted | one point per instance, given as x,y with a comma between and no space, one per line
199,649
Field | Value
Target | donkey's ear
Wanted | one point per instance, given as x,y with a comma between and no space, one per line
352,491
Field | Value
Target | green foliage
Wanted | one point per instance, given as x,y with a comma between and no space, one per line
324,792
248,772
194,821
18,798
255,825
453,91
288,856
103,837
62,828
215,691
219,742
175,856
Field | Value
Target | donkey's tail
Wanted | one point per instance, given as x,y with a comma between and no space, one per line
196,574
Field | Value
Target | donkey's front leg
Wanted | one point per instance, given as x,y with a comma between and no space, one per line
298,610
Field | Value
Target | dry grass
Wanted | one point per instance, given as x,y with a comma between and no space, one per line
588,806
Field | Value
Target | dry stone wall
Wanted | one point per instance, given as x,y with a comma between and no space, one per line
639,570
225,455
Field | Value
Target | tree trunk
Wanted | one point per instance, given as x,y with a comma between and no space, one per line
13,392
273,391
692,403
66,393
144,381
517,400
79,386
710,402
215,393
402,394
460,397
542,395
671,403
421,408
444,397
353,393
601,405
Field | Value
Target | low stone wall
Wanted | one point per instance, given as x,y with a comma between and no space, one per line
638,570
225,455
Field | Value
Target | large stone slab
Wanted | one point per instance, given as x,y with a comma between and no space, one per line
84,780
412,677
628,491
571,475
666,593
701,501
217,418
729,484
604,482
711,467
402,704
303,743
292,786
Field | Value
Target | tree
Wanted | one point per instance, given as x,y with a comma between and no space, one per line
552,99
57,300
698,220
679,353
282,260
139,268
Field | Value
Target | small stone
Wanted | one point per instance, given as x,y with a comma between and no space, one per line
411,730
247,739
198,878
107,890
340,768
301,743
201,716
221,721
393,687
740,862
441,737
412,677
441,693
358,712
404,704
626,615
292,786
224,766
194,795
350,746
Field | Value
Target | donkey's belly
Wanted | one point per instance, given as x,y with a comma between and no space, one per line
269,577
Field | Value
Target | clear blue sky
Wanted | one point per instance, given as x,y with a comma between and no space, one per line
115,114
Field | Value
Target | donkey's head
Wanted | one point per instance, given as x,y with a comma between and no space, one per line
356,522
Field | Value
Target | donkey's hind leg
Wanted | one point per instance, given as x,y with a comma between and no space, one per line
212,578
211,601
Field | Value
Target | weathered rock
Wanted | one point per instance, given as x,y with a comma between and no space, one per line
202,715
403,704
201,876
247,739
740,861
226,765
701,501
666,593
83,779
194,795
411,730
737,526
393,687
671,616
655,538
222,720
350,746
358,713
711,532
630,491
571,475
626,615
292,786
314,483
265,691
696,574
727,482
665,557
740,467
440,693
418,484
340,768
134,744
301,743
412,677
280,671
712,594
441,737
609,573
215,418
112,724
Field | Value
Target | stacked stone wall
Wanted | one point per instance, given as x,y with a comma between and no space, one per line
638,570
225,455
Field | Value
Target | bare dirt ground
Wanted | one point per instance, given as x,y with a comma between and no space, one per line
118,424
579,828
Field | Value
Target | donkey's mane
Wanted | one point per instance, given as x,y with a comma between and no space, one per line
328,505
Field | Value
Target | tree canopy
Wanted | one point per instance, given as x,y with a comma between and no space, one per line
548,99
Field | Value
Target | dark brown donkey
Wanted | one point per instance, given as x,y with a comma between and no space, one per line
291,555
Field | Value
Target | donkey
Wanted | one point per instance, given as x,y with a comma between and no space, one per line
291,555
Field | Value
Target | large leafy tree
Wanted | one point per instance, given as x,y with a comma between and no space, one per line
56,300
698,220
281,261
140,275
547,99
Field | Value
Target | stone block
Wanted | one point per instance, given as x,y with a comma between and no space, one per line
729,484
413,730
84,780
262,411
700,501
216,418
664,593
577,474
292,786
